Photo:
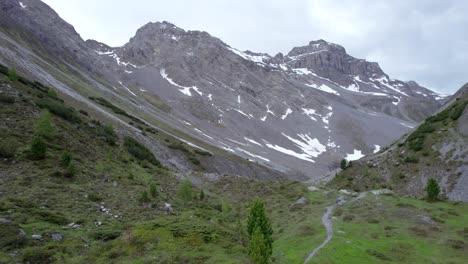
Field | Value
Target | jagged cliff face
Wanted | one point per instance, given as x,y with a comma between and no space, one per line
299,113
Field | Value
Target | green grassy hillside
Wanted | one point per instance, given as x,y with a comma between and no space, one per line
435,149
90,200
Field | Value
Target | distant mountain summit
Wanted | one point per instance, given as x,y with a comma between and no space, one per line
299,113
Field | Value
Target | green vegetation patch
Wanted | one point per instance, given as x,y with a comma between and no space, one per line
140,152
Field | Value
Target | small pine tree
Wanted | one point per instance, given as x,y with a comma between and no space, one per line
43,127
257,247
153,190
258,217
350,164
343,164
202,195
52,93
432,189
144,198
38,148
226,209
184,192
12,75
66,158
242,236
71,170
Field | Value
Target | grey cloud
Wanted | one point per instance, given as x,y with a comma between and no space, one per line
421,40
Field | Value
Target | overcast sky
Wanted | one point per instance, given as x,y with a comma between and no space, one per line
421,40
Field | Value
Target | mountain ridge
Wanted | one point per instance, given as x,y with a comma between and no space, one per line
300,113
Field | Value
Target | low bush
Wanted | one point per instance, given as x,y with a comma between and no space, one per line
66,158
108,133
139,151
59,109
115,109
457,111
49,216
7,149
3,69
179,146
411,159
71,170
202,153
144,197
7,99
38,148
37,255
105,234
94,197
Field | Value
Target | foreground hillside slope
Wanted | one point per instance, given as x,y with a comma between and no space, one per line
437,148
95,211
301,112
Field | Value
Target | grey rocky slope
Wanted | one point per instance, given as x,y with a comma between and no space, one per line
298,113
437,149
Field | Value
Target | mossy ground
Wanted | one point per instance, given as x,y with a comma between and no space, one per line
38,197
392,229
102,197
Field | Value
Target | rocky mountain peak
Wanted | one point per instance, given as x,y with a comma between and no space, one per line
330,59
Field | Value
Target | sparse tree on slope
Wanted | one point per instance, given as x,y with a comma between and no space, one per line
432,189
185,192
343,164
43,127
258,247
258,220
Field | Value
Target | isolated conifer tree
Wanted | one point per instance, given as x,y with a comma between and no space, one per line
38,148
258,247
144,198
12,75
202,194
343,164
432,189
43,127
258,219
184,191
153,190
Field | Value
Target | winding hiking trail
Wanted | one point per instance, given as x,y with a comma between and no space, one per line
326,220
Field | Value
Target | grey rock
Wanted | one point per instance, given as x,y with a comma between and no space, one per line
36,237
57,236
301,201
167,208
5,221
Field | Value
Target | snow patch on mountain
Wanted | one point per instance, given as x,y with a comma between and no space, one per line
357,154
323,88
253,155
254,58
130,91
302,71
288,111
310,113
252,141
309,146
22,5
183,89
406,125
326,118
376,149
269,111
384,81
